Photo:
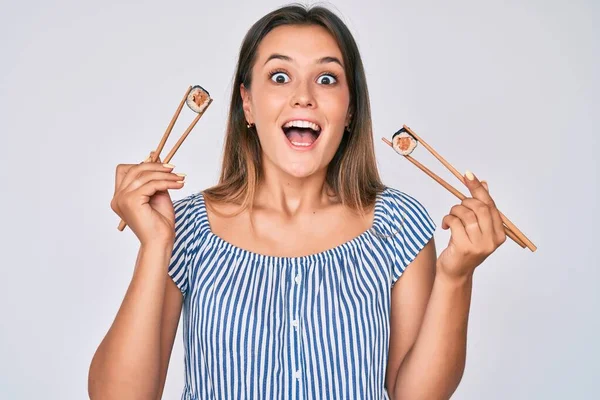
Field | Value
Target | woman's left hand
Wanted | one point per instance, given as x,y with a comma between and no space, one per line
476,232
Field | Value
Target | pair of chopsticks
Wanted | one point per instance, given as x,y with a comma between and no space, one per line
511,230
161,145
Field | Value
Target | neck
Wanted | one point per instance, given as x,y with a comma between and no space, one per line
281,192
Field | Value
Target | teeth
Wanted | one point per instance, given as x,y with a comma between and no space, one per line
302,124
301,144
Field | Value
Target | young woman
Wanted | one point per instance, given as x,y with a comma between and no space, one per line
288,270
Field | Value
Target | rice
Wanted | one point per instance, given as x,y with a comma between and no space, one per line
403,142
198,99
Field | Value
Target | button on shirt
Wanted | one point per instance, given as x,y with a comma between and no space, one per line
311,327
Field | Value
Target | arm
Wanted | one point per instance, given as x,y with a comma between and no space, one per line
433,366
428,331
170,320
410,296
132,358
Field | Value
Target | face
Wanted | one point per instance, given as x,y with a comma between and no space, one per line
299,99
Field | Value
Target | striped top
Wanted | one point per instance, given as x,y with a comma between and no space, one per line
312,327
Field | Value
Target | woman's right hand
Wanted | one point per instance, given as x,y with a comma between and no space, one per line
141,199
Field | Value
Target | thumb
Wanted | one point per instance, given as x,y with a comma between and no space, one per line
152,153
485,185
158,160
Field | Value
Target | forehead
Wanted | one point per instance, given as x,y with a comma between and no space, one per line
300,42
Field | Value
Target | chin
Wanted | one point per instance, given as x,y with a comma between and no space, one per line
296,164
300,170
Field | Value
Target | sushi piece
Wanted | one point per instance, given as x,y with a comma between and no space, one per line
403,142
198,99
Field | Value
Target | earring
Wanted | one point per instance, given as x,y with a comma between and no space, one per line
250,125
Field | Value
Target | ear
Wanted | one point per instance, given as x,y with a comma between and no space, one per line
246,103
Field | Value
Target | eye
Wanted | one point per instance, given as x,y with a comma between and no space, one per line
280,77
328,79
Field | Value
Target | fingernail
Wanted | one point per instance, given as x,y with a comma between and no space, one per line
469,175
182,175
168,166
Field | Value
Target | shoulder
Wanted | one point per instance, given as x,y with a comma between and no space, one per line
188,218
193,202
188,210
408,225
394,201
400,209
189,200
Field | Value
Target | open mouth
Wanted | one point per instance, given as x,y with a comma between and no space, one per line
301,133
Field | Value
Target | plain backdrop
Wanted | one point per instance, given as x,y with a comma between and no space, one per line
507,89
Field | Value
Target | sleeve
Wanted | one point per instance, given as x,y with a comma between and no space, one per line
413,228
184,232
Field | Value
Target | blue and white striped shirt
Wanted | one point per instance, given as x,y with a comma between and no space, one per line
311,327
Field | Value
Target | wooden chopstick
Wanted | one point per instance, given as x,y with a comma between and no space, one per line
184,135
161,145
451,189
512,227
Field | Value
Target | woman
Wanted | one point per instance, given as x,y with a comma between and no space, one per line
287,269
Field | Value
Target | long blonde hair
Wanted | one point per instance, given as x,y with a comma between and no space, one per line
352,174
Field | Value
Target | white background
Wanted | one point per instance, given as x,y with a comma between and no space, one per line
507,89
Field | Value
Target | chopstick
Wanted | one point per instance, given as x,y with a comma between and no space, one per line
451,189
161,145
511,227
511,230
183,136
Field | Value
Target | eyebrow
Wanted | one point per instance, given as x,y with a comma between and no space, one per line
322,60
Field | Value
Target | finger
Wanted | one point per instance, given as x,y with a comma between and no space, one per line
457,229
135,171
477,190
499,232
148,176
484,218
122,170
152,155
152,187
469,221
120,173
498,225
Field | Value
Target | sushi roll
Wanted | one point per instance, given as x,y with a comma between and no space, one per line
403,142
198,99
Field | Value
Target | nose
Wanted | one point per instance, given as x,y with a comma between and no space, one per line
303,96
